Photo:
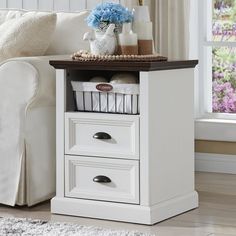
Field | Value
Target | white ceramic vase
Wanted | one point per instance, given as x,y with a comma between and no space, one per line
141,14
143,27
128,41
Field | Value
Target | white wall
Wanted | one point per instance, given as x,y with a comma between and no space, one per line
57,5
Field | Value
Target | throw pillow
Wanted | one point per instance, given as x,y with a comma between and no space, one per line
69,32
28,35
6,14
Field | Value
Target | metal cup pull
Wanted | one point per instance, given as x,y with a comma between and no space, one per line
102,136
101,179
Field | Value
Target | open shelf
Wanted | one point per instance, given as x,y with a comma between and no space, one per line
85,76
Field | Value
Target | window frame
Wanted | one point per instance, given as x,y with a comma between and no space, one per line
208,125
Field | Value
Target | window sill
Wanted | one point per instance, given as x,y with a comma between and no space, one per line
215,129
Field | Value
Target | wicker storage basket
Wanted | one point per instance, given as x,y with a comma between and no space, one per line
107,98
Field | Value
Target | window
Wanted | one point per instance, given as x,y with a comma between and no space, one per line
218,55
216,90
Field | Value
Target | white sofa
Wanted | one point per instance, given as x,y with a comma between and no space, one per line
27,115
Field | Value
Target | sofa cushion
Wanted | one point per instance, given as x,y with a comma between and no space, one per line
68,36
6,14
27,35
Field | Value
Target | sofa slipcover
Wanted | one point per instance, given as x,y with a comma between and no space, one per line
27,114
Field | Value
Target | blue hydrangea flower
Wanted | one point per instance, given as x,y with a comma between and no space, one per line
109,13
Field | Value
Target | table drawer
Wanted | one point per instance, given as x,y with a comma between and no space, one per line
102,179
103,135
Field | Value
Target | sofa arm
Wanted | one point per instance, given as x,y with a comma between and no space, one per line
31,78
27,125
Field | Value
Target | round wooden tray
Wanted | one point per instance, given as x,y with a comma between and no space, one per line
85,56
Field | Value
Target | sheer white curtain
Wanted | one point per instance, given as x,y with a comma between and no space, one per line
175,28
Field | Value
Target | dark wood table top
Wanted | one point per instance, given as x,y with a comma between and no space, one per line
123,66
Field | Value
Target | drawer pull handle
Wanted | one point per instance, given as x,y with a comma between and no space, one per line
102,135
101,179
